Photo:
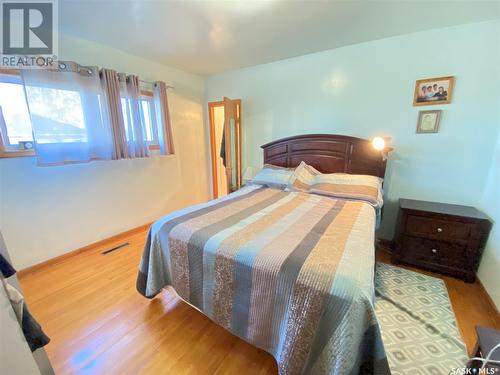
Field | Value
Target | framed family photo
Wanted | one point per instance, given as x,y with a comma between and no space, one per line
433,91
428,121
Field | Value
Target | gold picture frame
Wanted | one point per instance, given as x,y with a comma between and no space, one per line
428,121
432,91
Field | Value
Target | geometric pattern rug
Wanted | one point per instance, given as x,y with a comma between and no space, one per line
417,323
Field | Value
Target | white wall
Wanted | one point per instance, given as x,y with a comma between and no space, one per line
367,89
47,211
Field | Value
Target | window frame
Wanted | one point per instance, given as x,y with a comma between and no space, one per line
5,151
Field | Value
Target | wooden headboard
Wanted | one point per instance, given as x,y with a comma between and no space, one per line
328,153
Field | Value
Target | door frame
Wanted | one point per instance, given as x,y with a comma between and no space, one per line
213,146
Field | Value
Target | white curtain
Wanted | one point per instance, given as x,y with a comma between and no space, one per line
68,114
133,116
163,117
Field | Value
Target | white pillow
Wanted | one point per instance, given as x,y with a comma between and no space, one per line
273,176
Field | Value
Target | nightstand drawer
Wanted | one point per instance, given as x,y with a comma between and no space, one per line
436,228
437,252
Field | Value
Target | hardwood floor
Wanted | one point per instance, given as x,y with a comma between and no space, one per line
99,324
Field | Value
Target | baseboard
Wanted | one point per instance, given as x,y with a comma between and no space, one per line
61,258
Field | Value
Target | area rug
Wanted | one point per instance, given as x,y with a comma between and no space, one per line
418,325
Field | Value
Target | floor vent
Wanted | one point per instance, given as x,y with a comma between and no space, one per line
115,248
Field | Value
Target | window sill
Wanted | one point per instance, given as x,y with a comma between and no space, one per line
26,153
17,153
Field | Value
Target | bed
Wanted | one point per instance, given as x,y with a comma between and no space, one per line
287,271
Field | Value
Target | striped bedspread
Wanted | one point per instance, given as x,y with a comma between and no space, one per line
289,272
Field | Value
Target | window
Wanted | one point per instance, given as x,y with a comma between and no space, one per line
58,113
15,124
148,113
150,123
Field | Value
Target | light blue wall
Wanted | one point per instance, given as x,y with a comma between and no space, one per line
489,272
367,89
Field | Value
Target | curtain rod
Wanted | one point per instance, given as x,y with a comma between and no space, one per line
16,71
169,86
65,63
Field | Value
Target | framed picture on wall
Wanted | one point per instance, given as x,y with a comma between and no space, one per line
428,121
433,91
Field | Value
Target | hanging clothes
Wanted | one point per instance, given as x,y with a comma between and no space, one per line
33,332
223,148
5,267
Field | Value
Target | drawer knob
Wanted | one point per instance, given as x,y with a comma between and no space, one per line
434,251
440,230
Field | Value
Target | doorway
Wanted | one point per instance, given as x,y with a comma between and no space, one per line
225,140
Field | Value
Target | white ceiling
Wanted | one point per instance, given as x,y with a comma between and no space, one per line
207,37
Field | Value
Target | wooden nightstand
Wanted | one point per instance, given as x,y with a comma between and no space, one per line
440,237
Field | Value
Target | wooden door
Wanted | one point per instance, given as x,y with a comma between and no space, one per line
232,145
